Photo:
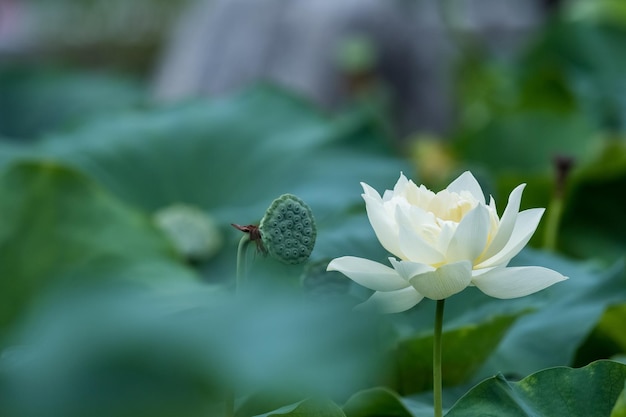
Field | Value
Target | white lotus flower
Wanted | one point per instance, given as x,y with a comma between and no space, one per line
443,243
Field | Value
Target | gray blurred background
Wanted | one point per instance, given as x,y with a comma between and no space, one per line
330,51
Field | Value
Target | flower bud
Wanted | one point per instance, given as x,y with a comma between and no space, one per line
192,232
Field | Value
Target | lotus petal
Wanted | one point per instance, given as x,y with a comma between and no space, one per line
516,282
445,281
370,274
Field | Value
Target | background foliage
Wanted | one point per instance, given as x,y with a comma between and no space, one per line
102,313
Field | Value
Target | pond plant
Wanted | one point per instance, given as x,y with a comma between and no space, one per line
442,243
125,291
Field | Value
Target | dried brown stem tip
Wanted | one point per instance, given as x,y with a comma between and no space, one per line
563,165
255,235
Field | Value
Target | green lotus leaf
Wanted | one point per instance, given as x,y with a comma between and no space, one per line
307,408
607,339
465,349
229,157
36,100
565,315
589,391
376,402
620,406
57,225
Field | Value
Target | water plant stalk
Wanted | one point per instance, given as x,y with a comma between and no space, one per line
437,384
563,166
229,403
241,261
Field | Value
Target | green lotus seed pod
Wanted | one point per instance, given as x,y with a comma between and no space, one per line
288,230
192,232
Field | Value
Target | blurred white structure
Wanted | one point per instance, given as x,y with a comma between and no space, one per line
222,45
218,46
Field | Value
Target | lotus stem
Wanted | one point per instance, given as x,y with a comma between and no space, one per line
563,166
229,403
241,261
437,384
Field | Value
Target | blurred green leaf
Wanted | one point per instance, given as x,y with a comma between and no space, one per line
376,402
620,406
566,313
588,57
35,101
588,391
607,339
113,350
308,408
266,400
116,350
591,193
562,95
596,194
465,349
609,11
231,157
58,225
555,97
527,141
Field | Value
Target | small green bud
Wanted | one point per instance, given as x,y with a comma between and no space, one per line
288,230
192,232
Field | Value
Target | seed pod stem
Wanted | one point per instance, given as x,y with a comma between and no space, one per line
241,260
563,166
